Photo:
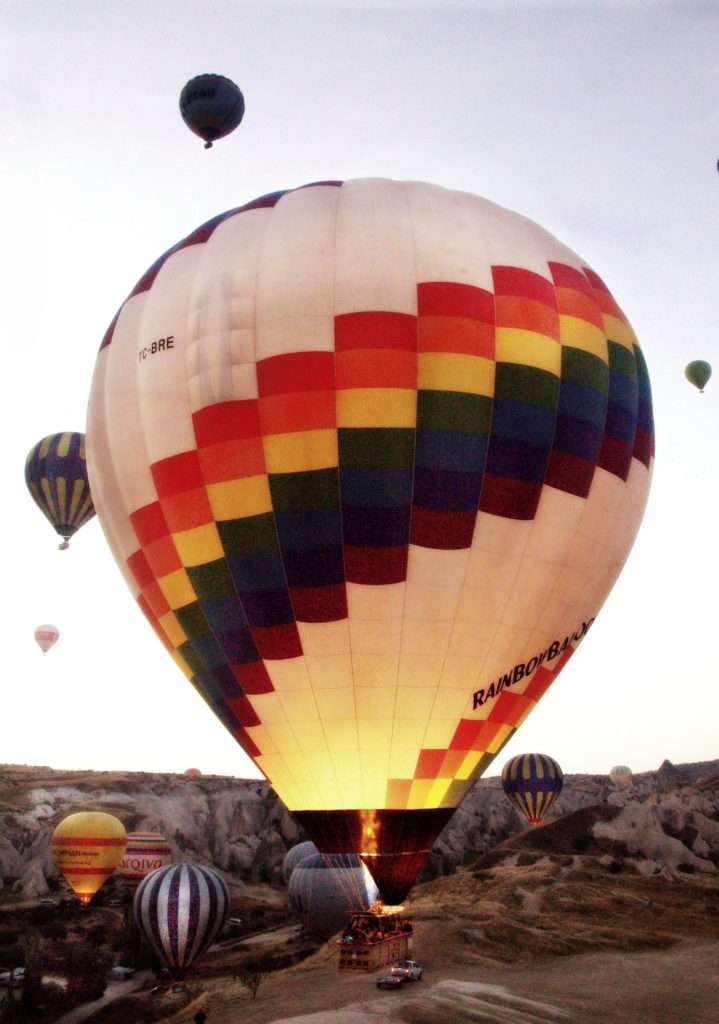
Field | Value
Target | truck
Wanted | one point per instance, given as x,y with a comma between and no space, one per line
408,970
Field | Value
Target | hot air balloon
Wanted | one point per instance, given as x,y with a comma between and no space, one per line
370,455
180,909
621,776
145,852
698,373
532,782
56,476
295,855
212,106
193,773
325,890
46,636
87,847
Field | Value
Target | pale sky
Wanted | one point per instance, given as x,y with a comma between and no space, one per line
596,119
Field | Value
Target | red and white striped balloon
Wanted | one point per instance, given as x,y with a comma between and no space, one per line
145,852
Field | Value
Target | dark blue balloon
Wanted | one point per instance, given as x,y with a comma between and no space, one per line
212,106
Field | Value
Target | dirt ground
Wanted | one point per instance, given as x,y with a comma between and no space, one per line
598,943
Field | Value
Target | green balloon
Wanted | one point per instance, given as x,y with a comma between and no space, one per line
698,373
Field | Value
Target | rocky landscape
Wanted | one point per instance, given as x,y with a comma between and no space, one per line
241,827
609,912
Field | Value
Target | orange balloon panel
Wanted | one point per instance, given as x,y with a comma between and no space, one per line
370,456
87,847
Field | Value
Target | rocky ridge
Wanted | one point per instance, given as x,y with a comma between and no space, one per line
242,828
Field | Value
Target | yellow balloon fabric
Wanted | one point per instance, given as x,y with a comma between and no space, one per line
370,456
87,847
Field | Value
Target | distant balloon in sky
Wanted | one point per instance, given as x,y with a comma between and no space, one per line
212,106
325,889
87,847
371,455
193,773
46,636
621,776
532,782
698,373
295,855
56,476
180,909
145,852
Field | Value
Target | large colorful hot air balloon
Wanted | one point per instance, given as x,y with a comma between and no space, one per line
325,889
46,636
180,909
56,476
370,456
621,776
145,852
87,847
532,782
212,106
698,373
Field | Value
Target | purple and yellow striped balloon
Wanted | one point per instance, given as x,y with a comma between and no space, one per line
180,909
532,782
56,476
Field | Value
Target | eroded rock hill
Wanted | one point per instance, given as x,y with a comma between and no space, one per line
242,828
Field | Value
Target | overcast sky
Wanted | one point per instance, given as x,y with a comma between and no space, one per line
598,120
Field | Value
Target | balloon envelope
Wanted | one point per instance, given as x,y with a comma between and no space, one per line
46,636
325,889
87,847
621,776
180,909
212,106
370,455
698,373
295,856
532,782
56,476
145,852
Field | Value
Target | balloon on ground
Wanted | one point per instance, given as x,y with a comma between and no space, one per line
46,636
87,847
532,782
370,455
180,909
56,476
145,852
325,889
295,855
212,106
698,373
621,776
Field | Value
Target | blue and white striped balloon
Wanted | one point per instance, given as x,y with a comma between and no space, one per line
180,909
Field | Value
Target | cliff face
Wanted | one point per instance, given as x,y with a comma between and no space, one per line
242,828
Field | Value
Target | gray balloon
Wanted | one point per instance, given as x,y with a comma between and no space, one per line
294,856
325,889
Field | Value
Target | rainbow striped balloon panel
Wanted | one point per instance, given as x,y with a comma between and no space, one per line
370,455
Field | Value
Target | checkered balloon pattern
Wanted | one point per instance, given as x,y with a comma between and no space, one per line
370,455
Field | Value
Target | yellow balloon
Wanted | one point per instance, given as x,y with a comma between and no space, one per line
87,847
